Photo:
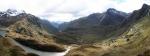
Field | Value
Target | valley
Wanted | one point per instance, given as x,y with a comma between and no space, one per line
111,33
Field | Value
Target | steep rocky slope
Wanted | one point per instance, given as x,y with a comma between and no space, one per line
133,42
94,28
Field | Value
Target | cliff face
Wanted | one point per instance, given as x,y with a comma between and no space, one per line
133,42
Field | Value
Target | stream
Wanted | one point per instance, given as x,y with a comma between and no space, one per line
41,53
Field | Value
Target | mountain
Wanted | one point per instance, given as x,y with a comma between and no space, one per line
133,42
63,26
31,31
49,26
111,33
55,24
6,19
94,27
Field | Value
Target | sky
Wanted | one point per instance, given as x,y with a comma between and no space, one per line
67,10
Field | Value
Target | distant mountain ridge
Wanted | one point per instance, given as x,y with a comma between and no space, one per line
99,26
6,20
114,32
96,26
133,42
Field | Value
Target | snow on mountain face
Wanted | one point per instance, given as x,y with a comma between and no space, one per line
12,12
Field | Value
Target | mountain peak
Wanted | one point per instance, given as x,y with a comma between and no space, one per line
145,10
111,10
145,6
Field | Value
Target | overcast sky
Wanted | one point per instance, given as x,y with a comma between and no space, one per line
66,10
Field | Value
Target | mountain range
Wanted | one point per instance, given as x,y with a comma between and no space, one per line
95,27
111,33
132,42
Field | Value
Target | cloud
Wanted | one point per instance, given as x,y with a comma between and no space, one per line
130,5
63,17
67,10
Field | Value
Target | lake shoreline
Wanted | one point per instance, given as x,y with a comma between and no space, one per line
40,53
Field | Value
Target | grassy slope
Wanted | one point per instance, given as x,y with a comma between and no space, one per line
9,49
134,42
138,44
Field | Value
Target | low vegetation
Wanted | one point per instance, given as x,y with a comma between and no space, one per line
7,48
134,42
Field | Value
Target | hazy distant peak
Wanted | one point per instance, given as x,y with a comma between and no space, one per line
111,10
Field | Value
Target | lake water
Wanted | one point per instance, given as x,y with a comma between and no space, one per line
2,33
30,50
